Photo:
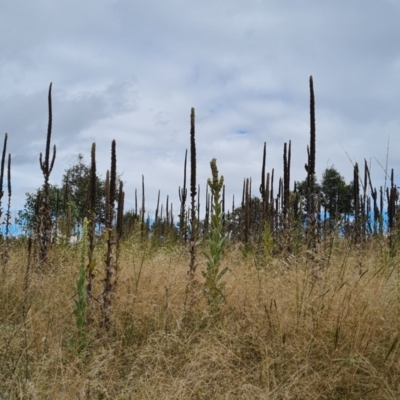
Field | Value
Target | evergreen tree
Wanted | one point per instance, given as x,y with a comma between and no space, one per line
336,194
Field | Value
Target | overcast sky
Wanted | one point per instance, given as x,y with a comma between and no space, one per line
131,71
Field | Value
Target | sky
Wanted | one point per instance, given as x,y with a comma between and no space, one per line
131,71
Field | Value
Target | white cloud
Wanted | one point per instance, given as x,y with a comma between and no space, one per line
131,71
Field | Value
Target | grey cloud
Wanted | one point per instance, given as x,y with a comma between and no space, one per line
161,118
25,117
242,65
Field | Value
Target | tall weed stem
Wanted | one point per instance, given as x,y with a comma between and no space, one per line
215,243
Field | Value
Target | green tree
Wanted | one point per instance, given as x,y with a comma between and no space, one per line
27,216
75,183
235,220
336,194
69,203
303,190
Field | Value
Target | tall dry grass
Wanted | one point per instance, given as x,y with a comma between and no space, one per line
321,325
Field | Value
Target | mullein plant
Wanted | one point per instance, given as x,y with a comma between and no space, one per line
44,213
3,158
91,223
5,254
112,237
193,193
311,177
81,305
215,243
192,221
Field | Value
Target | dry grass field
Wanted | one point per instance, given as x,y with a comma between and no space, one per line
320,325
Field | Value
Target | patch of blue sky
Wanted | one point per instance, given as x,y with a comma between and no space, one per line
242,131
371,225
13,230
